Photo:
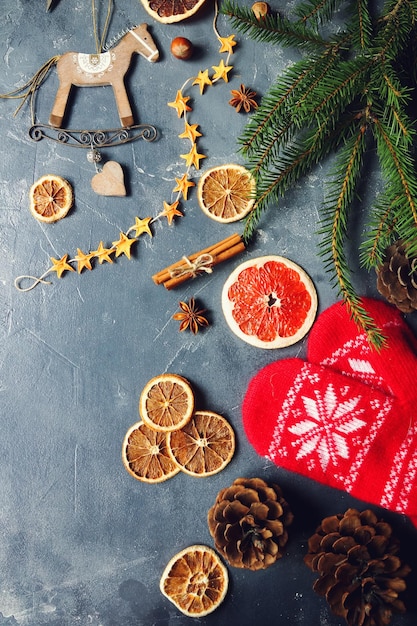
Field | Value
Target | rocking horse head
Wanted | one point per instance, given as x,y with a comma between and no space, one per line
146,46
106,68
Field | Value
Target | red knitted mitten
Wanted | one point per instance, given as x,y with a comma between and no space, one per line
336,342
314,421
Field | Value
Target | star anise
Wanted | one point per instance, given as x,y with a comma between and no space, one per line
243,98
190,316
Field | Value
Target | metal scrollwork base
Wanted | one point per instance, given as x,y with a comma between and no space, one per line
93,138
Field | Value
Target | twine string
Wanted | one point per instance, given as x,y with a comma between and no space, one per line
100,42
36,281
31,87
202,263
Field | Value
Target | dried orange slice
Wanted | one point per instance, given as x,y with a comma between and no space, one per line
195,580
169,11
51,198
226,192
269,302
204,446
145,454
166,402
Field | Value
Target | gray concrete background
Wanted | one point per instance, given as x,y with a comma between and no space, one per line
81,542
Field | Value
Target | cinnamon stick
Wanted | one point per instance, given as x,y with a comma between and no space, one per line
219,258
176,273
214,250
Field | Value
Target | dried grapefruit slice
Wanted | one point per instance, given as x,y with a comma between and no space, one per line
51,198
166,402
269,302
195,580
145,454
204,446
169,11
226,192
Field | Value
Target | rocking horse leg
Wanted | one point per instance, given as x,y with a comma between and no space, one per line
123,104
58,110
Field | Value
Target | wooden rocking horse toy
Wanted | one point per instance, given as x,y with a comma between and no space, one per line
106,68
93,70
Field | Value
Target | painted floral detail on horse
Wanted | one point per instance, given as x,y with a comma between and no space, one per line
108,68
94,64
326,429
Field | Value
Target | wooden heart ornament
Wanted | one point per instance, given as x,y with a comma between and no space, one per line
110,181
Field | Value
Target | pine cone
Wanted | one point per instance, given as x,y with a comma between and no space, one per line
248,522
361,575
397,278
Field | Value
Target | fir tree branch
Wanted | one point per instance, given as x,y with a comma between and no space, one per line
335,228
395,9
318,11
348,80
268,152
322,67
397,168
366,322
336,211
395,25
273,184
295,160
274,108
274,28
280,114
386,86
378,238
361,29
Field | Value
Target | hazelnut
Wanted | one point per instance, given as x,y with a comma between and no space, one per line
181,48
260,9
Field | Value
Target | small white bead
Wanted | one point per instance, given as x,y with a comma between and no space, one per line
93,156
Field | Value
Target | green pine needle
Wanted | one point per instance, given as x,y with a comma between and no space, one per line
350,94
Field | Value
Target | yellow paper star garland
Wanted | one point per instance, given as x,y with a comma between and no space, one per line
102,254
182,105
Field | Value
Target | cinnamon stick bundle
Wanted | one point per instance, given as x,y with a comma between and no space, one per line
199,262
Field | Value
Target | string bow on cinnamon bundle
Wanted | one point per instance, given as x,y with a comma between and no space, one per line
199,262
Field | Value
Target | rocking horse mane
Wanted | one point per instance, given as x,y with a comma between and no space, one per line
115,40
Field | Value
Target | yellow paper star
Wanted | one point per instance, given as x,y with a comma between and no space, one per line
83,260
60,265
142,226
103,254
183,184
193,157
190,132
221,71
170,211
124,244
227,44
202,80
180,104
